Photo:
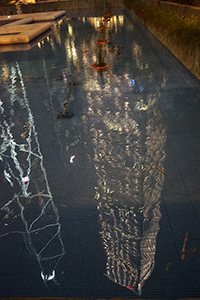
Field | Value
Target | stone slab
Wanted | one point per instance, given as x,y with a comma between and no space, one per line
37,17
22,33
20,22
25,46
23,28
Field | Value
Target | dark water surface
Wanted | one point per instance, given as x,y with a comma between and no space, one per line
98,205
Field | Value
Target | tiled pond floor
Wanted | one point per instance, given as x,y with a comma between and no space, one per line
99,205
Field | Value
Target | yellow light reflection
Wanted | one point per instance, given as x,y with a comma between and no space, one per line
5,71
56,31
71,50
121,20
70,30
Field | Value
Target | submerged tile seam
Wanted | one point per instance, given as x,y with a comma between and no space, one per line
170,225
187,193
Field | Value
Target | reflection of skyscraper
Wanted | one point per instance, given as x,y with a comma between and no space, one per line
31,210
127,139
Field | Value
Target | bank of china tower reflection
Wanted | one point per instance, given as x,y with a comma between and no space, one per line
30,209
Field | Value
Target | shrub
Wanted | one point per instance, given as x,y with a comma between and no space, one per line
179,27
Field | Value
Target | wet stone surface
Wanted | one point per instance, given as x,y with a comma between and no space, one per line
98,205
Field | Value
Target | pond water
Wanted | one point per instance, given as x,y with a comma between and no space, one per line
99,204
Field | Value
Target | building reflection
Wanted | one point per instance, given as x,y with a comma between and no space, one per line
30,211
128,139
129,190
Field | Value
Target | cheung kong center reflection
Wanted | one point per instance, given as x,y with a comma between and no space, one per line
129,189
128,138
